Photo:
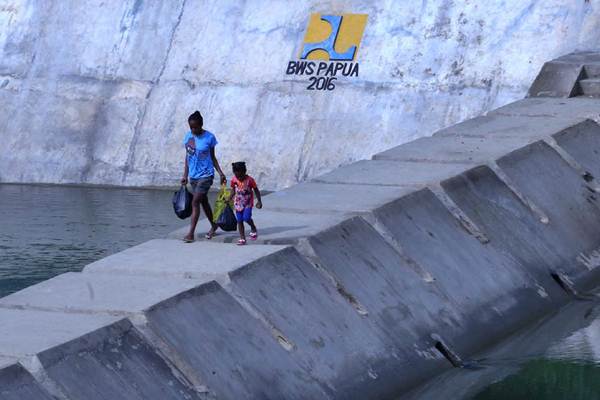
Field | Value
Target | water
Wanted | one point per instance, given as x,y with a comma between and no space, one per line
557,358
48,230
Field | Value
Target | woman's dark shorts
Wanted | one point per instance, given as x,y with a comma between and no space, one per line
201,185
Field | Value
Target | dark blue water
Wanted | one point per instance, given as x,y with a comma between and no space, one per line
48,230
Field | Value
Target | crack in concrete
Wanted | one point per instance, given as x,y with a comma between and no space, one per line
129,164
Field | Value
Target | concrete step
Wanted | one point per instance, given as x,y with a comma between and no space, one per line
592,70
590,87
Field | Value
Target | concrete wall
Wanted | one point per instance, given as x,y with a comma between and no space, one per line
99,92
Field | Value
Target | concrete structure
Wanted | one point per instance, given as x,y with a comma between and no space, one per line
107,102
364,283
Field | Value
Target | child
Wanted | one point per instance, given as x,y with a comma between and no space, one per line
242,186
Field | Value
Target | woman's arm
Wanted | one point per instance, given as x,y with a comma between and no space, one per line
184,179
217,166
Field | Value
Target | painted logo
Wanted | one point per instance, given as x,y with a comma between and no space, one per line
335,41
333,37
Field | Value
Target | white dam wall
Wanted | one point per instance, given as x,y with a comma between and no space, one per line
99,92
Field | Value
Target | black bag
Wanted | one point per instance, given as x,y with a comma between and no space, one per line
182,202
227,220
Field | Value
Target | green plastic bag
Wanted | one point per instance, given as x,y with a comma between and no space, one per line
221,202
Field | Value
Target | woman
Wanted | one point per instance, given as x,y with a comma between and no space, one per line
200,165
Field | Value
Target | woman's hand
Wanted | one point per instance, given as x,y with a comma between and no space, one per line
259,204
184,180
223,179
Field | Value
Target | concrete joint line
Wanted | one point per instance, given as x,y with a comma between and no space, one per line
114,313
541,216
592,184
178,366
34,366
277,334
305,248
391,240
459,214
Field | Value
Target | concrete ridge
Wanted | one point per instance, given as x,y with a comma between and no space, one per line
364,282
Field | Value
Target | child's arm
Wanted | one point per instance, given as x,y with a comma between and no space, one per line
231,191
258,199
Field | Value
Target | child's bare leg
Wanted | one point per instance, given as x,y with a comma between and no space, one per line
252,226
241,230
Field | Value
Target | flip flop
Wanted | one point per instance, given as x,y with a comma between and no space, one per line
209,235
253,235
241,242
186,240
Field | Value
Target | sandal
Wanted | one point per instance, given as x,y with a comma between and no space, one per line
253,235
210,234
241,242
187,240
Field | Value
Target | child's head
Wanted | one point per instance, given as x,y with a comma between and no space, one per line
196,121
239,169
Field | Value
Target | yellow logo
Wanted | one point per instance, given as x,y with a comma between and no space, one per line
333,37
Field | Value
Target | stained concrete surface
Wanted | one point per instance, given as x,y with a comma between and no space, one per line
392,173
377,277
174,258
116,94
27,332
18,384
232,351
110,293
114,362
454,149
274,227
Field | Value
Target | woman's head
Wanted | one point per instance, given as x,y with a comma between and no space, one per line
196,122
239,169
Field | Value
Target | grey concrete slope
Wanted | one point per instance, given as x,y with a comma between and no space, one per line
229,349
114,362
571,75
18,384
389,271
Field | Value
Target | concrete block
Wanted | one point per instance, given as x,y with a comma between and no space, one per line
232,351
398,300
453,149
174,258
547,107
590,87
105,293
320,198
113,363
18,384
493,292
512,227
580,57
342,349
392,173
26,332
500,125
556,79
563,194
274,227
582,142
